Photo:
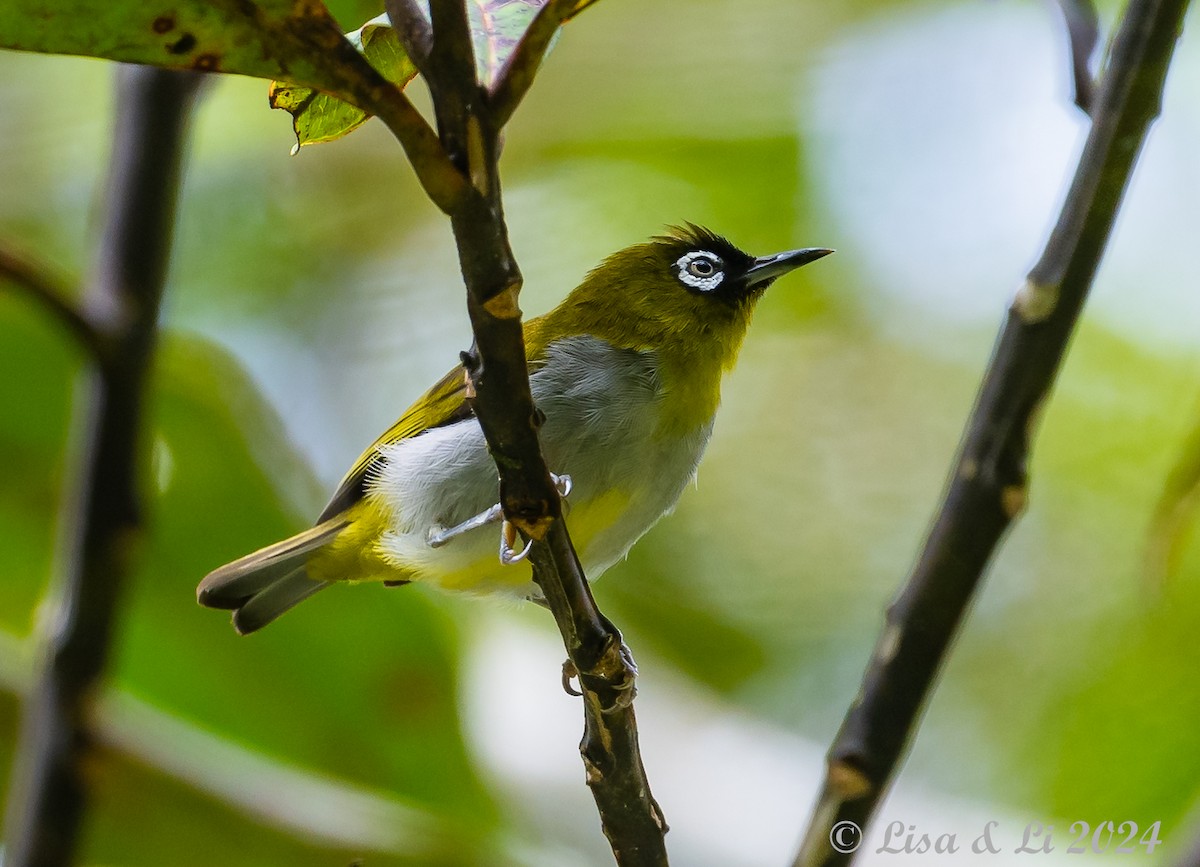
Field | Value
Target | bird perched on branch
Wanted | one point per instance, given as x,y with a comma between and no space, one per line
627,371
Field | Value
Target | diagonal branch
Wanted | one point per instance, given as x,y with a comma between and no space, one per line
413,28
518,72
36,282
48,794
442,182
1083,33
988,487
504,405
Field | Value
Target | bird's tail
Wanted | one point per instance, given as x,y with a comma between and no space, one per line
261,586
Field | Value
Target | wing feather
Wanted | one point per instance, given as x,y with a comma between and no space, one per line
444,404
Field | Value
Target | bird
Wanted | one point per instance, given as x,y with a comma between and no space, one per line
626,372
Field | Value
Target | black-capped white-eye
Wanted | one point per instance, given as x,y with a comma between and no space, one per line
700,270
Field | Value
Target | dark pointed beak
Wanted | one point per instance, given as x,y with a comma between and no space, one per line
767,268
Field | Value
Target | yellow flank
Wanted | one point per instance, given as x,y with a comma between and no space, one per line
353,555
585,520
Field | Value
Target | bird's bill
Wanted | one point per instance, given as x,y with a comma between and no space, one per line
767,268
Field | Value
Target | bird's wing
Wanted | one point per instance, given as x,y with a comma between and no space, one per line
444,404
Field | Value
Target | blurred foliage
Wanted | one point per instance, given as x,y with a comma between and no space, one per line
312,298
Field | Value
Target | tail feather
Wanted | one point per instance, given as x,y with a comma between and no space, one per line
273,600
261,586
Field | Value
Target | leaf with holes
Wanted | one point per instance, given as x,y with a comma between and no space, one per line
318,117
291,40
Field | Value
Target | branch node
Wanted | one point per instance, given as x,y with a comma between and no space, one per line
889,643
477,160
848,782
1035,302
503,305
1013,499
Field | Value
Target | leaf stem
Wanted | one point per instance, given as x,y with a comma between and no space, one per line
517,74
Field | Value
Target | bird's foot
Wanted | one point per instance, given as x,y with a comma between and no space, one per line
439,535
624,684
621,682
508,533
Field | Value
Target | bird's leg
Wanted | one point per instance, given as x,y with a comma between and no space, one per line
439,535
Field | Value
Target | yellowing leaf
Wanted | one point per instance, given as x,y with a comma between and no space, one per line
320,117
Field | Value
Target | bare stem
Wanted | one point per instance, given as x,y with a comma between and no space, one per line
413,28
48,794
469,132
518,72
987,488
1083,33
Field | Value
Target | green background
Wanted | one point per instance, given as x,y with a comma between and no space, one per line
311,298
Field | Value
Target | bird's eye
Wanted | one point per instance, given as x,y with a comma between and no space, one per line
701,270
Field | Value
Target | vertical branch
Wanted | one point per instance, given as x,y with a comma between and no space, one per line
469,129
1083,34
987,489
48,795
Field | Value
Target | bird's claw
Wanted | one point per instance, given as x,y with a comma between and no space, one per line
624,688
439,535
563,484
508,538
508,531
570,673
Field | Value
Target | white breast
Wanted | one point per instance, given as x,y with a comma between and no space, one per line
602,408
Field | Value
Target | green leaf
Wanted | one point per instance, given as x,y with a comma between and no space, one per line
496,28
318,117
290,40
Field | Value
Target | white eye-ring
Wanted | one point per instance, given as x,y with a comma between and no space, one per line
701,270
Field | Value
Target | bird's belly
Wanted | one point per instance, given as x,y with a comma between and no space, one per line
603,411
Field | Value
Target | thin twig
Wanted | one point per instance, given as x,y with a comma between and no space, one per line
518,72
504,405
37,283
988,487
442,182
1083,33
413,29
48,794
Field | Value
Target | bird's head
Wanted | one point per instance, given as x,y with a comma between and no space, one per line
689,290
